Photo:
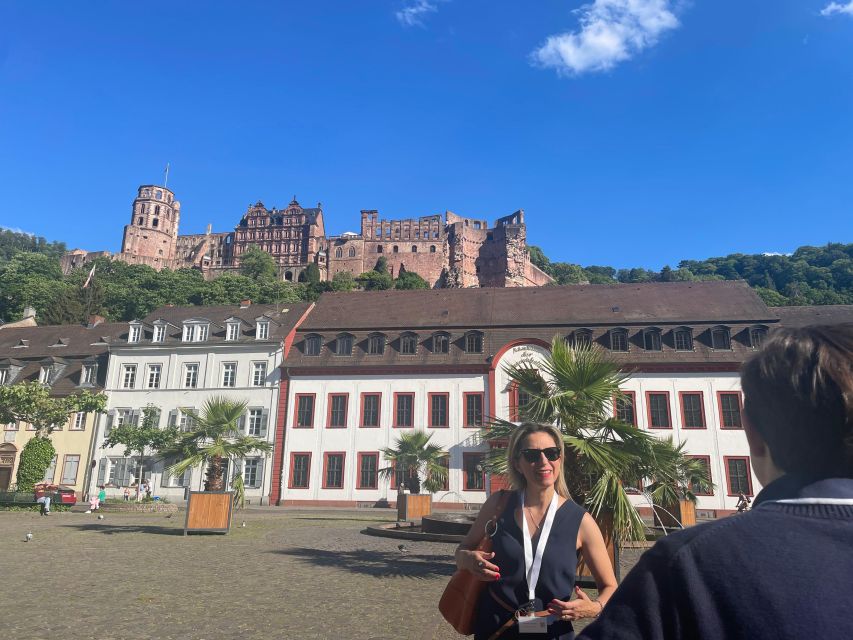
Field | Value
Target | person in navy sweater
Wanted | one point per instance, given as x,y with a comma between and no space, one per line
784,569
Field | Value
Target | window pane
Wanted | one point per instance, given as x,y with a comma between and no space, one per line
618,341
368,471
738,476
692,407
300,471
370,410
305,411
625,409
438,410
441,344
683,341
659,410
334,471
405,404
720,339
338,411
730,409
475,477
473,410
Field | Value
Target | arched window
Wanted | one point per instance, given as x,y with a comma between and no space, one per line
651,339
683,339
288,275
518,400
618,340
395,249
409,344
414,248
139,221
339,253
757,335
312,345
432,248
376,344
352,252
343,345
581,337
440,342
474,342
721,338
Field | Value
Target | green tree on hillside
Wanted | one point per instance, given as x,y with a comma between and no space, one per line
258,265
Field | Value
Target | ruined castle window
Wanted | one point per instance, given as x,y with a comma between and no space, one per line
352,252
432,248
379,233
440,343
417,234
395,249
414,249
160,251
435,234
618,340
288,275
476,225
139,221
155,223
378,248
159,195
339,253
474,342
376,344
145,193
408,344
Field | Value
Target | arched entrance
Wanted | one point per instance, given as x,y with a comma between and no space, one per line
7,463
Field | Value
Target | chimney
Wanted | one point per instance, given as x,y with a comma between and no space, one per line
94,321
29,312
244,304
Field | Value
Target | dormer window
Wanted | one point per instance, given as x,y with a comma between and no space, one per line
474,342
159,334
46,374
757,335
4,376
721,338
343,345
683,339
651,339
582,338
408,344
263,332
440,343
618,340
135,333
376,344
313,344
232,331
88,374
196,331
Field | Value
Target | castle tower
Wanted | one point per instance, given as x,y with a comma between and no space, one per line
152,234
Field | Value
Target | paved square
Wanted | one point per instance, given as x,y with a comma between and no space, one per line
287,574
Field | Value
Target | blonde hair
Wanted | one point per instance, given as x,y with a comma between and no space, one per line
513,450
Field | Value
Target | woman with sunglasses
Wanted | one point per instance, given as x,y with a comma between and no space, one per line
537,540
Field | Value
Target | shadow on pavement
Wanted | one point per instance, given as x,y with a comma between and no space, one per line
110,529
376,563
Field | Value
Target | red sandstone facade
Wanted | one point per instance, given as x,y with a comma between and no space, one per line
447,251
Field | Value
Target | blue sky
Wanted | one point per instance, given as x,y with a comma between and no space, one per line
632,132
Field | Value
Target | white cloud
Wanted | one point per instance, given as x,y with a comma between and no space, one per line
17,230
413,14
834,7
611,31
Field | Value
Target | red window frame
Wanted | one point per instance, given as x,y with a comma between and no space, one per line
649,395
720,395
465,396
326,455
707,460
361,457
681,395
430,416
396,412
293,455
329,410
313,397
394,475
468,456
513,403
729,480
446,485
378,410
633,396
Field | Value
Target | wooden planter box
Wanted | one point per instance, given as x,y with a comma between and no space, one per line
209,511
684,513
411,506
582,574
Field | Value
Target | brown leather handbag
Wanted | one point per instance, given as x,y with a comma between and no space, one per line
458,603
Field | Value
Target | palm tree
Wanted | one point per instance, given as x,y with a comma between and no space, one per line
417,462
214,438
678,480
575,387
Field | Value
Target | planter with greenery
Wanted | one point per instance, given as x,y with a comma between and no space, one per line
416,464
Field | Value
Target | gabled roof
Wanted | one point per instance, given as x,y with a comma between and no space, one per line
818,314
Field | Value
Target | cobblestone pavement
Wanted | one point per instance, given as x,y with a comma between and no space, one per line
286,574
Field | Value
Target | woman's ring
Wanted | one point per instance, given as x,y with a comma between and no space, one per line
481,564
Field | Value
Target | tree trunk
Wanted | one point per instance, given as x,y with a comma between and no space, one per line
214,475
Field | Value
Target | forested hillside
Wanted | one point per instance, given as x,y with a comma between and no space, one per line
810,275
30,275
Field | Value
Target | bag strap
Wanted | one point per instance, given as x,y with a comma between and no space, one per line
503,499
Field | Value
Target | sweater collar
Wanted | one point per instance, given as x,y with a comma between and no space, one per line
794,486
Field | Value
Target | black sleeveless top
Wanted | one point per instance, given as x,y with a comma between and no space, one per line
556,578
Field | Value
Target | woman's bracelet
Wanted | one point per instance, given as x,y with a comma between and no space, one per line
600,608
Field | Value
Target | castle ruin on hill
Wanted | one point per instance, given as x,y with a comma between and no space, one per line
447,251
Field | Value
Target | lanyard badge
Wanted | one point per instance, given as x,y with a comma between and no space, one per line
527,622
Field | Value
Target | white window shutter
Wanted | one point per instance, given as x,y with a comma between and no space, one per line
134,418
166,478
259,478
265,414
173,418
102,471
241,424
111,415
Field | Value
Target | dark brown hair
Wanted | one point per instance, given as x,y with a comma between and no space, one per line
799,397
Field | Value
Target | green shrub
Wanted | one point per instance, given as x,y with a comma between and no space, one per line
36,457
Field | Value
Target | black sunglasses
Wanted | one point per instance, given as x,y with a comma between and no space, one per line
532,455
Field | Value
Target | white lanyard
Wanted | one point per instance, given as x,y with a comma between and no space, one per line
532,565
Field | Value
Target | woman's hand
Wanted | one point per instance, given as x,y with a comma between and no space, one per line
582,607
477,563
